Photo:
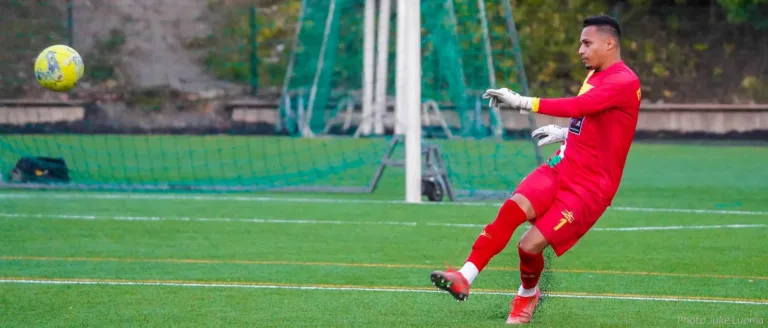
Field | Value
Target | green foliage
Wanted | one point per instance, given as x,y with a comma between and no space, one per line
227,49
550,42
676,50
746,11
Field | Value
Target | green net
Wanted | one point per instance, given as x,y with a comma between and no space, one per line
308,64
293,125
247,163
462,46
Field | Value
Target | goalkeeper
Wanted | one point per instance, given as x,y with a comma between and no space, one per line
564,197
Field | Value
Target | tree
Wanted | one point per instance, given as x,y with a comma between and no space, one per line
754,12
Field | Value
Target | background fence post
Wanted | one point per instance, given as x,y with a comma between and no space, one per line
254,59
70,25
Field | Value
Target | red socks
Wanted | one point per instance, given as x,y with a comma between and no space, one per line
497,234
531,266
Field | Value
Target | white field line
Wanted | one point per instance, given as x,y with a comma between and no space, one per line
371,289
52,195
343,222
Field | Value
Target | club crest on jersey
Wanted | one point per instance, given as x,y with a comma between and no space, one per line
576,124
567,218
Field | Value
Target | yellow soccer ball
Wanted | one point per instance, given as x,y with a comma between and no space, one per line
58,68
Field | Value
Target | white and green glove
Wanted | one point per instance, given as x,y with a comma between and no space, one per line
509,98
550,134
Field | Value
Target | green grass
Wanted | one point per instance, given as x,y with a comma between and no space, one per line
254,252
44,242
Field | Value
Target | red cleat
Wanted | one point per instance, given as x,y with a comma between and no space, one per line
452,282
522,308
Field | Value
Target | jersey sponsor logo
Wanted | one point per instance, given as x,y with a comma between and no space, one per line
567,218
576,124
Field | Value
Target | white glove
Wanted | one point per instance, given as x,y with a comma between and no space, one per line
509,98
550,134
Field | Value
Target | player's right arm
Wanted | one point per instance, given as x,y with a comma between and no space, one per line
615,90
604,96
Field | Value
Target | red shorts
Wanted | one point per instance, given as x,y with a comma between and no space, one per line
561,215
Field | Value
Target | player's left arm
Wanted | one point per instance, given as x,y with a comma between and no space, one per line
614,91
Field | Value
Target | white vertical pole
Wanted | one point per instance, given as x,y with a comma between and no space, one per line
400,119
410,67
382,57
368,57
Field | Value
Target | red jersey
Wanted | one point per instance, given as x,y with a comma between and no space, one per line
603,122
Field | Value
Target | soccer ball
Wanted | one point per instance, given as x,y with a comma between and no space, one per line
58,68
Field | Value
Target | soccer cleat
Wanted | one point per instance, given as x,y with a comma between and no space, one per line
522,308
452,282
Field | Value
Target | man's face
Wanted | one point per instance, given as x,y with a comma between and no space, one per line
594,46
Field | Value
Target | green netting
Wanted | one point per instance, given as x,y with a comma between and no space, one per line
248,163
463,42
202,162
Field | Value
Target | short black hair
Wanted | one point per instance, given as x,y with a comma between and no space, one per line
604,23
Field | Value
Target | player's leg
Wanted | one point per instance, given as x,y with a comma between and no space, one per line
531,198
531,250
561,227
534,195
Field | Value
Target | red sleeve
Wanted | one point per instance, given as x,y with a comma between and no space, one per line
601,97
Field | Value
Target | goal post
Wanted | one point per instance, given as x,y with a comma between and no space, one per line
409,91
368,60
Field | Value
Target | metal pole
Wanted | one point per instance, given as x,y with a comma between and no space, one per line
254,62
70,24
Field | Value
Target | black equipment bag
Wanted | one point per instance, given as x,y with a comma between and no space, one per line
40,170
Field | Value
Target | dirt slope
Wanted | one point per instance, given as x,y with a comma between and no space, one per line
155,32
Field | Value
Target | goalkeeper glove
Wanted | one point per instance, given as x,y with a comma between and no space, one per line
550,134
504,96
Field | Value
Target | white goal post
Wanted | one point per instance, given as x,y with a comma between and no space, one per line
408,91
408,106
